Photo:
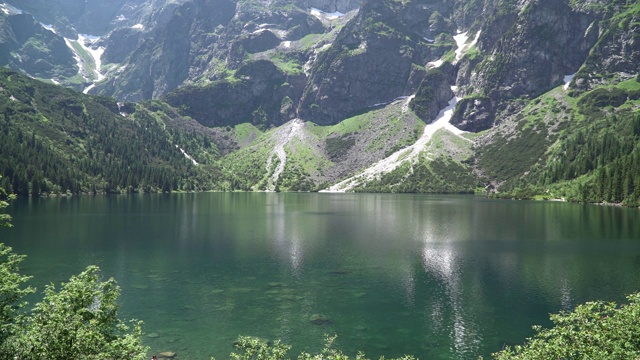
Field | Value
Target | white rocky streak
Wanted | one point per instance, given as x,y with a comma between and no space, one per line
187,155
410,153
283,136
567,81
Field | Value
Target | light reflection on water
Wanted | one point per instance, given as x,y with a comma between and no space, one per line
440,277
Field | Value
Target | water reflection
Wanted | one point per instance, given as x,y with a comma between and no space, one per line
440,277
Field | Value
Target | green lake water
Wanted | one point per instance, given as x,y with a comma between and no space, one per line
438,277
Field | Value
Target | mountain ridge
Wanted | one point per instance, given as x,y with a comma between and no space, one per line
361,86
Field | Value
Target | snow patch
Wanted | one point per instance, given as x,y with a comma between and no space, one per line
410,153
10,10
187,155
429,40
567,81
86,41
286,44
405,105
138,27
435,64
48,27
461,43
325,15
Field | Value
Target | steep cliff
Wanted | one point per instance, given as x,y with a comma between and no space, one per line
27,46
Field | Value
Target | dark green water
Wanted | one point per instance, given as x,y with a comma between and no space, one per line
439,277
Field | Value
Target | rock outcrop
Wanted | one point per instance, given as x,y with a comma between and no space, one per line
27,46
371,60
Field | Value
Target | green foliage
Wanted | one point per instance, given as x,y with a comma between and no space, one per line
604,97
57,141
595,330
426,176
12,293
425,103
250,348
508,158
339,146
79,322
596,160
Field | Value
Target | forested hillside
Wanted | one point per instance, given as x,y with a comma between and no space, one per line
56,141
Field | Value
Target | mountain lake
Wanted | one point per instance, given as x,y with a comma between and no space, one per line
435,276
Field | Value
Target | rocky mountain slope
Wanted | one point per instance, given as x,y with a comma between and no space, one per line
378,95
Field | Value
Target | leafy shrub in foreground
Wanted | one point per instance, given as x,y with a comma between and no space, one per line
594,330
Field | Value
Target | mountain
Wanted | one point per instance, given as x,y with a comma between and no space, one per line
518,98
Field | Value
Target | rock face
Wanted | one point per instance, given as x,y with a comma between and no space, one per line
162,61
71,17
371,60
27,46
432,95
229,61
260,97
547,41
616,57
474,114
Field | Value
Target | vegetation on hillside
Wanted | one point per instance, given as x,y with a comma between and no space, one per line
594,160
57,141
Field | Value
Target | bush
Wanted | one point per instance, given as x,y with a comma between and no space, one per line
595,330
79,322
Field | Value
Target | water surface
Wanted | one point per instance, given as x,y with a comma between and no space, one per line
439,277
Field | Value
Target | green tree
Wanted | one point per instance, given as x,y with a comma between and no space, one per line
11,286
80,322
12,293
251,348
594,330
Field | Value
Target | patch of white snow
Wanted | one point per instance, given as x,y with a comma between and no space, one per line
405,105
187,155
429,40
461,43
435,64
286,44
325,15
138,27
567,81
86,41
10,9
48,27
